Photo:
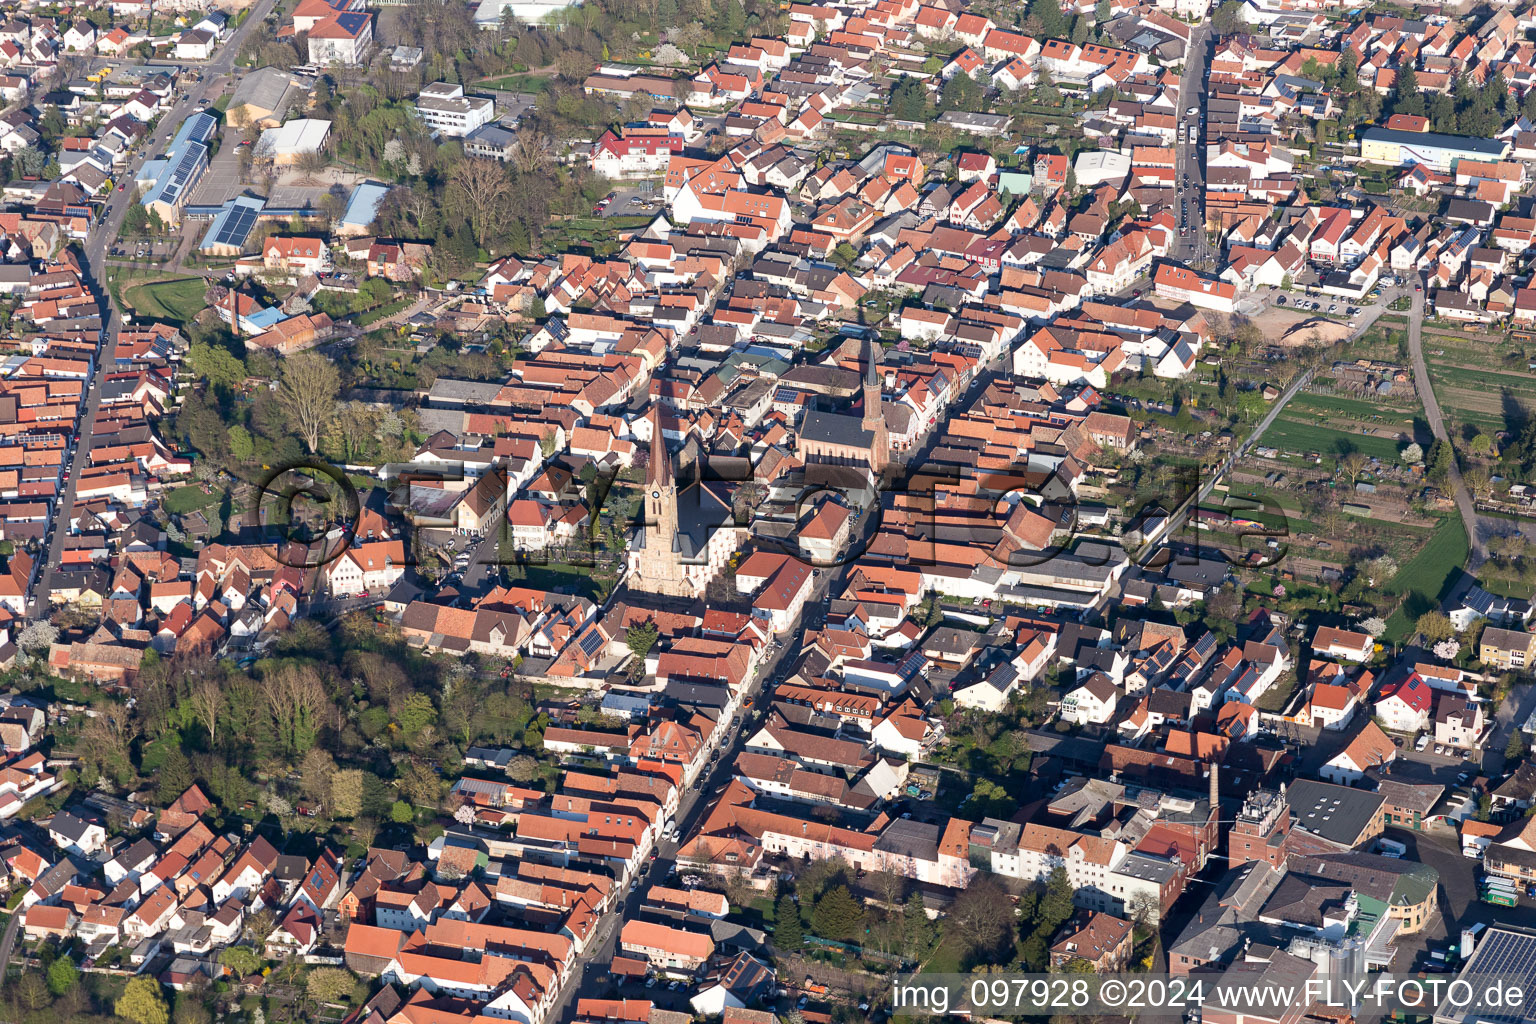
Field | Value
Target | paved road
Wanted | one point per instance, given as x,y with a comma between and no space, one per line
8,944
97,243
1187,166
1478,528
591,977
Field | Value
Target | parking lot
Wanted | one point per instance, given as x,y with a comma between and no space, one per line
144,250
639,201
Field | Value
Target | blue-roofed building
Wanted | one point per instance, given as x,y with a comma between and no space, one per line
186,158
1434,150
231,227
254,319
361,209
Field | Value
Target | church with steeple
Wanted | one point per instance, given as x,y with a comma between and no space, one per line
841,438
689,532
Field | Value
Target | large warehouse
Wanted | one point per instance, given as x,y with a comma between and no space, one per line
1433,150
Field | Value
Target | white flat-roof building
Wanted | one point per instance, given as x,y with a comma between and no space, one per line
445,109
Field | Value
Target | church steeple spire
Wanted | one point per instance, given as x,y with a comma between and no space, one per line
873,420
659,470
655,558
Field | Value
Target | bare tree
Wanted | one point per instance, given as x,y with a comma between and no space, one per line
207,703
296,698
308,394
481,190
1351,466
532,151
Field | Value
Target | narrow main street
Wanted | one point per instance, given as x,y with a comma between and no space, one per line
1191,245
592,971
94,272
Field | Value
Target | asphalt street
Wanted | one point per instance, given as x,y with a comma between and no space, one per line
96,246
696,799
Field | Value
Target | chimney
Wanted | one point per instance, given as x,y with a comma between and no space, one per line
1215,785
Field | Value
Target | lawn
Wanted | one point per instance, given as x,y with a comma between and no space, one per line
1424,580
1354,408
177,300
1293,435
388,309
516,83
187,499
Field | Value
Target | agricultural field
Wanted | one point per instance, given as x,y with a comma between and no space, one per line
1479,386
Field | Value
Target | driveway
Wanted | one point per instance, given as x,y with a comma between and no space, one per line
1459,906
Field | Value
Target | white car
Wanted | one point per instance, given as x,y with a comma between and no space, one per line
1192,112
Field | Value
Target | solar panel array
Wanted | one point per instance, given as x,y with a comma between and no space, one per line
591,643
237,225
181,175
1506,955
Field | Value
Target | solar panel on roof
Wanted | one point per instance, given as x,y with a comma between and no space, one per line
237,225
182,173
591,642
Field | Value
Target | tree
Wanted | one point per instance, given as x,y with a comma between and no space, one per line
315,774
1047,14
135,221
1351,466
1228,19
420,784
206,701
1481,444
788,933
31,992
1437,463
308,391
329,984
641,637
916,929
983,915
1446,650
909,100
241,445
1412,454
1380,569
190,1009
1514,750
837,915
1056,901
37,637
481,191
346,793
1373,627
1405,95
63,975
296,698
142,1003
216,364
416,713
522,768
401,813
240,959
1435,626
